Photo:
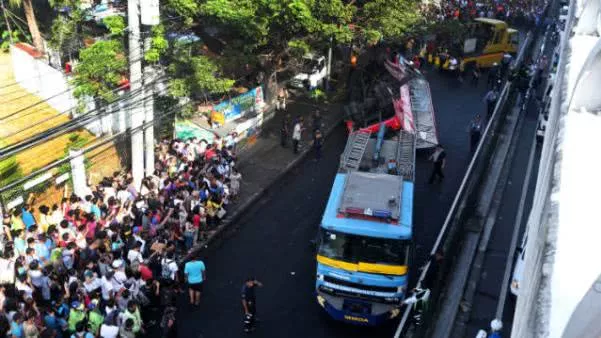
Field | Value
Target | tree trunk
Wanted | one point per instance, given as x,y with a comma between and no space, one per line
33,26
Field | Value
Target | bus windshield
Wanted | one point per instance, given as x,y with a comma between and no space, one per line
355,249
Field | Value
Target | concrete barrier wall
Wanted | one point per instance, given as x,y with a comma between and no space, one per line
37,77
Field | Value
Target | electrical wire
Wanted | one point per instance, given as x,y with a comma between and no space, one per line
63,129
100,143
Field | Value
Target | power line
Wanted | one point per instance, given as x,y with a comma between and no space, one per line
44,169
84,115
53,133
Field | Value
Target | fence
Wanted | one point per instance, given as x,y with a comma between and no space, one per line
465,199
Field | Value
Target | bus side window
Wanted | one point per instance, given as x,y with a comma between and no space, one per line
498,36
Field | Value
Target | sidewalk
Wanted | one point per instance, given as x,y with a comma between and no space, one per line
265,161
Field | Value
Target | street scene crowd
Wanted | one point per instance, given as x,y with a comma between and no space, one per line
512,11
93,265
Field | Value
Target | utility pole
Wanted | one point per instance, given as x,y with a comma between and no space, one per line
149,78
136,112
10,31
150,17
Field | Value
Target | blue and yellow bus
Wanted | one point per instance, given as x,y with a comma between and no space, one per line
365,236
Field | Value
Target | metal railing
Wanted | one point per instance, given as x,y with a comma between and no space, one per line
461,192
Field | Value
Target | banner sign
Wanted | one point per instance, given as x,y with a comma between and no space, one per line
149,12
185,130
241,104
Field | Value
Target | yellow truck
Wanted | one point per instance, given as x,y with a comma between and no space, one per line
485,43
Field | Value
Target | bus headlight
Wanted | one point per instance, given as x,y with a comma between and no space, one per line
401,289
321,301
394,313
319,277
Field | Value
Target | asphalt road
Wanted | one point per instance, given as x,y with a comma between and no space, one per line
272,241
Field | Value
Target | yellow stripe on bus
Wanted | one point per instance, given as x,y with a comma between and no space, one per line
364,267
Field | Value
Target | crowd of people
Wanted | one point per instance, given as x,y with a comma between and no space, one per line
87,266
513,11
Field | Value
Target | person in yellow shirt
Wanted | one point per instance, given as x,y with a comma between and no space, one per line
16,221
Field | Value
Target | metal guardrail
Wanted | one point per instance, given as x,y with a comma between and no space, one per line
478,154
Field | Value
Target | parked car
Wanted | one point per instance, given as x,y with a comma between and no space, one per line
518,269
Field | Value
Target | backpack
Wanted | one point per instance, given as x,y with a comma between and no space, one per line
165,271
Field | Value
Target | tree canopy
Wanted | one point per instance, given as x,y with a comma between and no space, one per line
100,70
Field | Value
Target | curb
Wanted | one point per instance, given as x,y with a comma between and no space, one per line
237,214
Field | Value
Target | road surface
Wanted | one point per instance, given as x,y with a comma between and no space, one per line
272,241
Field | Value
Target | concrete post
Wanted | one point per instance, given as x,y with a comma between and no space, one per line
149,77
78,173
135,77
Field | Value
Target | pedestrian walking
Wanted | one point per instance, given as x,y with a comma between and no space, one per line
317,143
195,274
285,131
438,159
316,121
476,73
493,75
249,303
505,63
296,134
280,104
475,130
491,100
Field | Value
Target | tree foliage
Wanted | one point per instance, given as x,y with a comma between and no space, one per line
195,75
115,24
158,45
100,69
389,19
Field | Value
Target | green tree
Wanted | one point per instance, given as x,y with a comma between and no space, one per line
195,75
32,22
388,19
281,28
99,71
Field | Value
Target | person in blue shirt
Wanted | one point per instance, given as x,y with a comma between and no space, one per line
27,216
41,250
16,326
20,243
196,274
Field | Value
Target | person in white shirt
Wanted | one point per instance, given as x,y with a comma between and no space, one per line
134,256
296,134
91,283
106,287
119,276
110,327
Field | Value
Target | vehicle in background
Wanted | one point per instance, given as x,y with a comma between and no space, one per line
312,74
518,269
365,236
486,42
541,127
563,14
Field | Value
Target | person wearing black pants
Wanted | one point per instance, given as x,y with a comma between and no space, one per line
438,159
249,302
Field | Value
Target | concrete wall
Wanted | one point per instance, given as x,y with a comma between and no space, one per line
52,85
40,79
561,261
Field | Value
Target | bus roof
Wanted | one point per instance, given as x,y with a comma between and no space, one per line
494,22
333,221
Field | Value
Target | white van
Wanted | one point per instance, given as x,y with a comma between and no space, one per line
312,74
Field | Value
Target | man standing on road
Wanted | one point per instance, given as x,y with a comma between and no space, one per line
280,104
285,131
297,133
195,273
438,159
475,129
249,303
317,143
491,100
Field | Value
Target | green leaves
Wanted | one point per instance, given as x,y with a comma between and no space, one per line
195,75
115,24
158,45
391,18
99,70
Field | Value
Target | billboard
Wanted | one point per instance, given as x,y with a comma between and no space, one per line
240,105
